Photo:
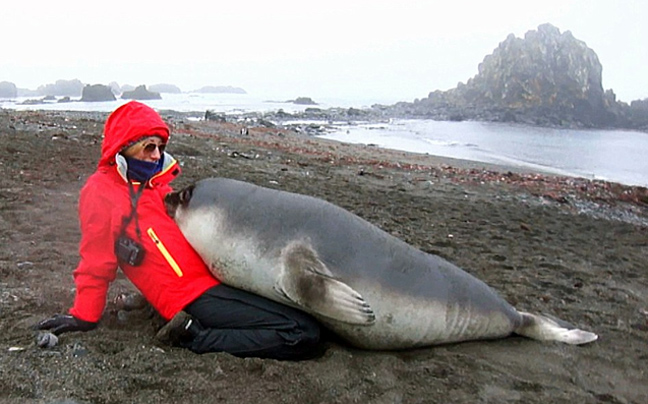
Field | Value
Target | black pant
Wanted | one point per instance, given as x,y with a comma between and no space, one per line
248,325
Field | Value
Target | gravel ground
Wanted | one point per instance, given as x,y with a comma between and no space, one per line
572,248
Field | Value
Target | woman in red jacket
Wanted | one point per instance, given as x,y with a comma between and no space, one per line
124,225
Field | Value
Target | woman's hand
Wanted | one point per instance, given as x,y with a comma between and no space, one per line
60,323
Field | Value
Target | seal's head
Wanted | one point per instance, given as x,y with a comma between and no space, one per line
178,200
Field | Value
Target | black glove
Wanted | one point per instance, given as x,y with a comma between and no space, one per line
60,323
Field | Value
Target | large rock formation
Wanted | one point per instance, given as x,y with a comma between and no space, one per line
8,90
546,78
141,93
97,93
545,68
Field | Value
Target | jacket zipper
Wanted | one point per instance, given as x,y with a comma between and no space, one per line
164,252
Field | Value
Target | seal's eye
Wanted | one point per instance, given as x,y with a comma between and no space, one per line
185,195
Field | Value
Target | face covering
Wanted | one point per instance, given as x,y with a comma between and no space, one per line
142,171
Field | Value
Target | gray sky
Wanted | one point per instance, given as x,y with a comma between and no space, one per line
360,49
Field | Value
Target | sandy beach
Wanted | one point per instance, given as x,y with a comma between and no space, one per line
573,248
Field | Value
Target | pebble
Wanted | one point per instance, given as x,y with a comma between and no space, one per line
46,340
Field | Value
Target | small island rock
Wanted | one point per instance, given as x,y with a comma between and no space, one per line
97,93
141,93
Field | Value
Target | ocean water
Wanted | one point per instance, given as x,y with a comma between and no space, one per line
189,102
612,155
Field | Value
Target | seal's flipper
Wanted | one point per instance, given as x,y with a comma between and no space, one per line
544,328
307,282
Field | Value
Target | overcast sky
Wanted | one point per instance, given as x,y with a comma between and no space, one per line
361,49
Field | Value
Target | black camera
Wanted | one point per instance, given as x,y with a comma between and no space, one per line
129,251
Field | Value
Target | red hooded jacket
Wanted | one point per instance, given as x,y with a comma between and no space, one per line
172,274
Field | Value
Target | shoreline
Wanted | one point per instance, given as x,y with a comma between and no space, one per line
327,119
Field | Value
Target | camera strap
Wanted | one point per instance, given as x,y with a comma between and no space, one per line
134,198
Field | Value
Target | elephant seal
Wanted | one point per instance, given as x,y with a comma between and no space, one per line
370,288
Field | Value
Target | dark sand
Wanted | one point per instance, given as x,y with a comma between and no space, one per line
571,248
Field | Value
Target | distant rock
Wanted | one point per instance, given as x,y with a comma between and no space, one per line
72,88
545,69
165,88
141,93
64,99
221,89
303,101
546,78
8,90
97,93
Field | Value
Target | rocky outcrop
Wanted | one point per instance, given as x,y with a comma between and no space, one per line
8,90
141,93
303,101
97,93
546,78
165,88
71,88
221,89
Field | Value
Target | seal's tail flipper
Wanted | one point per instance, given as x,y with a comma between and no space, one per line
544,328
308,284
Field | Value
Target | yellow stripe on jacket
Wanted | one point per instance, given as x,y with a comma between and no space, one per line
164,252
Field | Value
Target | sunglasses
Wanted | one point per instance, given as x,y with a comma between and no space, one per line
150,148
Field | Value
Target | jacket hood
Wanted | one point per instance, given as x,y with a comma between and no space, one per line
127,124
